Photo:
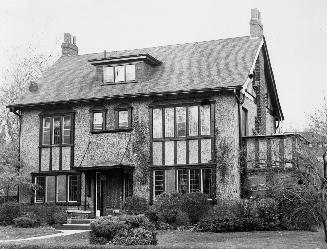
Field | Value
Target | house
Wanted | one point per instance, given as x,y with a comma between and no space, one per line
99,127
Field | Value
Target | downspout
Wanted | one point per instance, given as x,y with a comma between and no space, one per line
18,113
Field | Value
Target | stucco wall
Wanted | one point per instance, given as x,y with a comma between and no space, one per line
227,146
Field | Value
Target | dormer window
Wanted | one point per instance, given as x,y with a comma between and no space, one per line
120,73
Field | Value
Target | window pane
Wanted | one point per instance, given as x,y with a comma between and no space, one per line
98,120
193,120
66,130
157,123
181,121
194,180
169,122
205,119
159,182
182,177
119,73
46,131
108,74
123,119
206,181
73,188
50,189
157,153
205,150
130,72
40,189
61,188
169,152
181,152
193,151
56,130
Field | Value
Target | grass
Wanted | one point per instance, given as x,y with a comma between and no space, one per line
186,239
10,232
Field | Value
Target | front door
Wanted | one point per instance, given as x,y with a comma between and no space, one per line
113,191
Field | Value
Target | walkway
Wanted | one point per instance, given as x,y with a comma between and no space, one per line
62,233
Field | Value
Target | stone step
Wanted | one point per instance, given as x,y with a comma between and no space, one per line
75,226
79,221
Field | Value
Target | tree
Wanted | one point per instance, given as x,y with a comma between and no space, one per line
15,82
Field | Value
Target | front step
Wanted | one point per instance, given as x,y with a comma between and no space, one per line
75,226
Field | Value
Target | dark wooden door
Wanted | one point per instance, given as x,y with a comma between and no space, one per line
114,189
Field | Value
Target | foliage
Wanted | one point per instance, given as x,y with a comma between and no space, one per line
8,212
135,205
167,206
196,205
123,230
243,215
25,221
60,216
224,156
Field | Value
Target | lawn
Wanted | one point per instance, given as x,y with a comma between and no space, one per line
10,232
246,240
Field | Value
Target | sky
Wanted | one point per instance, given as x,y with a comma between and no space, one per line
295,31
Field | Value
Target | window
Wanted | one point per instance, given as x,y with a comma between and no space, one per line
244,120
194,180
57,188
73,188
40,189
159,182
181,135
123,119
121,73
98,120
56,130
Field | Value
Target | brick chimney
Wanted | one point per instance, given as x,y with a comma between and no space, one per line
256,27
68,47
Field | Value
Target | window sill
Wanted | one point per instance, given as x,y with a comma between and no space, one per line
113,131
118,83
56,145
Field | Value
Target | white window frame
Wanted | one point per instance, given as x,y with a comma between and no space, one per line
45,188
68,185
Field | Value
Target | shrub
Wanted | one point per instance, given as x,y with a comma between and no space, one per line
196,205
182,219
123,230
25,221
60,217
8,212
167,207
135,205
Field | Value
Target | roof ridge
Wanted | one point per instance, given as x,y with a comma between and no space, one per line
169,45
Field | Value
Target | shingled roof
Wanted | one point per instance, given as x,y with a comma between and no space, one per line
201,65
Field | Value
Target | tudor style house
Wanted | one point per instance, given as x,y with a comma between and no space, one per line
99,127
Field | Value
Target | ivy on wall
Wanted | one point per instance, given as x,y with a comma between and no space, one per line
224,156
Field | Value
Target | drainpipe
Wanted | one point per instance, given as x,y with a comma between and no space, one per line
18,113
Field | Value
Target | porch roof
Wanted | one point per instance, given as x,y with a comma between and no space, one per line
106,165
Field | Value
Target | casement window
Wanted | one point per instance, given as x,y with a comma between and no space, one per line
244,122
158,182
40,189
123,117
72,188
57,189
120,73
194,180
98,120
56,130
181,135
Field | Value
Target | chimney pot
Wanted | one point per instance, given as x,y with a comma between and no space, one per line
67,47
256,27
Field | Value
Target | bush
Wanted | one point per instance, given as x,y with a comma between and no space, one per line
135,205
8,212
196,205
167,207
60,217
123,230
25,222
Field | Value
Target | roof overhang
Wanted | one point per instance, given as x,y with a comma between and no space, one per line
126,59
16,107
105,167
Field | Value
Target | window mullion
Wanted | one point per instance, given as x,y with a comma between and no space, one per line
201,180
